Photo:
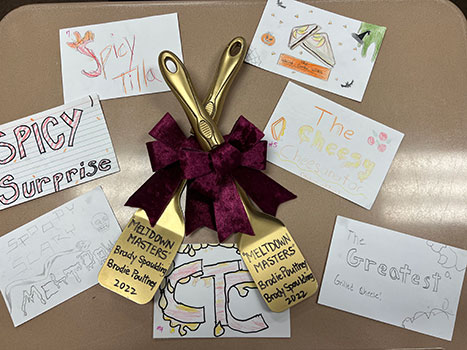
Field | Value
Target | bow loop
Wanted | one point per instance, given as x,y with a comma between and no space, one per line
168,132
244,134
160,155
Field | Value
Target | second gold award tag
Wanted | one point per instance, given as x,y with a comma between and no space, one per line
275,262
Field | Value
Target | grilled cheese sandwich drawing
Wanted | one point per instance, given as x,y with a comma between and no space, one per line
315,43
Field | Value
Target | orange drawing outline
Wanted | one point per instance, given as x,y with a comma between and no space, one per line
273,128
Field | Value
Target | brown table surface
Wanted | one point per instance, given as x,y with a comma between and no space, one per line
418,86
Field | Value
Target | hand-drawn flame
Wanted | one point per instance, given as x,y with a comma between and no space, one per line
81,46
278,128
87,38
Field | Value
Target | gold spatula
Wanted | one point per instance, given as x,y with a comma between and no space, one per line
143,253
272,257
229,65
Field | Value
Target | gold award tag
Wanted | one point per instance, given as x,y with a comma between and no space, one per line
143,254
280,271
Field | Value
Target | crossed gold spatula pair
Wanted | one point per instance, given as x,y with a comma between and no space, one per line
272,257
143,253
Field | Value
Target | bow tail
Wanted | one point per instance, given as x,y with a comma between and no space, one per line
199,211
263,190
229,212
155,194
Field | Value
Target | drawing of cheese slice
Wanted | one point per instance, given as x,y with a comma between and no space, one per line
278,128
300,33
318,44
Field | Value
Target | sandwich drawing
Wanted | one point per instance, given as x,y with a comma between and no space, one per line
315,43
300,33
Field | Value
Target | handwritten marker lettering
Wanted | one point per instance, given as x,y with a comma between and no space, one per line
117,59
280,271
402,273
224,290
32,151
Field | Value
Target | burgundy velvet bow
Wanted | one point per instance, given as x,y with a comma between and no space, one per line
212,197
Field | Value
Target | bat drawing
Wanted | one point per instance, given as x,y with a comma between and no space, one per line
347,84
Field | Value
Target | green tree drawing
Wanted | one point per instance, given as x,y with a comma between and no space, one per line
376,36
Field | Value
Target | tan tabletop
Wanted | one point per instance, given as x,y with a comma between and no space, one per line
418,86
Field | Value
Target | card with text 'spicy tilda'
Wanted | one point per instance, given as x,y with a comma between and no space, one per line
317,47
330,145
117,59
56,256
53,150
393,277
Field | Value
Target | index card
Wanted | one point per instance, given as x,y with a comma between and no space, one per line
117,59
317,47
394,278
53,150
330,145
56,256
209,293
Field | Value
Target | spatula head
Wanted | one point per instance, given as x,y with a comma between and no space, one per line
143,253
276,264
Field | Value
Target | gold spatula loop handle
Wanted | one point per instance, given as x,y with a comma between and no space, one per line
229,65
178,80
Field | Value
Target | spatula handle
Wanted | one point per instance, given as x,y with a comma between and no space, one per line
229,65
178,79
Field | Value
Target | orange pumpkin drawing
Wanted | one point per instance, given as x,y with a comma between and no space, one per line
268,39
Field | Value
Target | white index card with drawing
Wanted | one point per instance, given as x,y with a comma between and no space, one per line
56,256
209,293
393,277
330,145
117,59
316,47
50,151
